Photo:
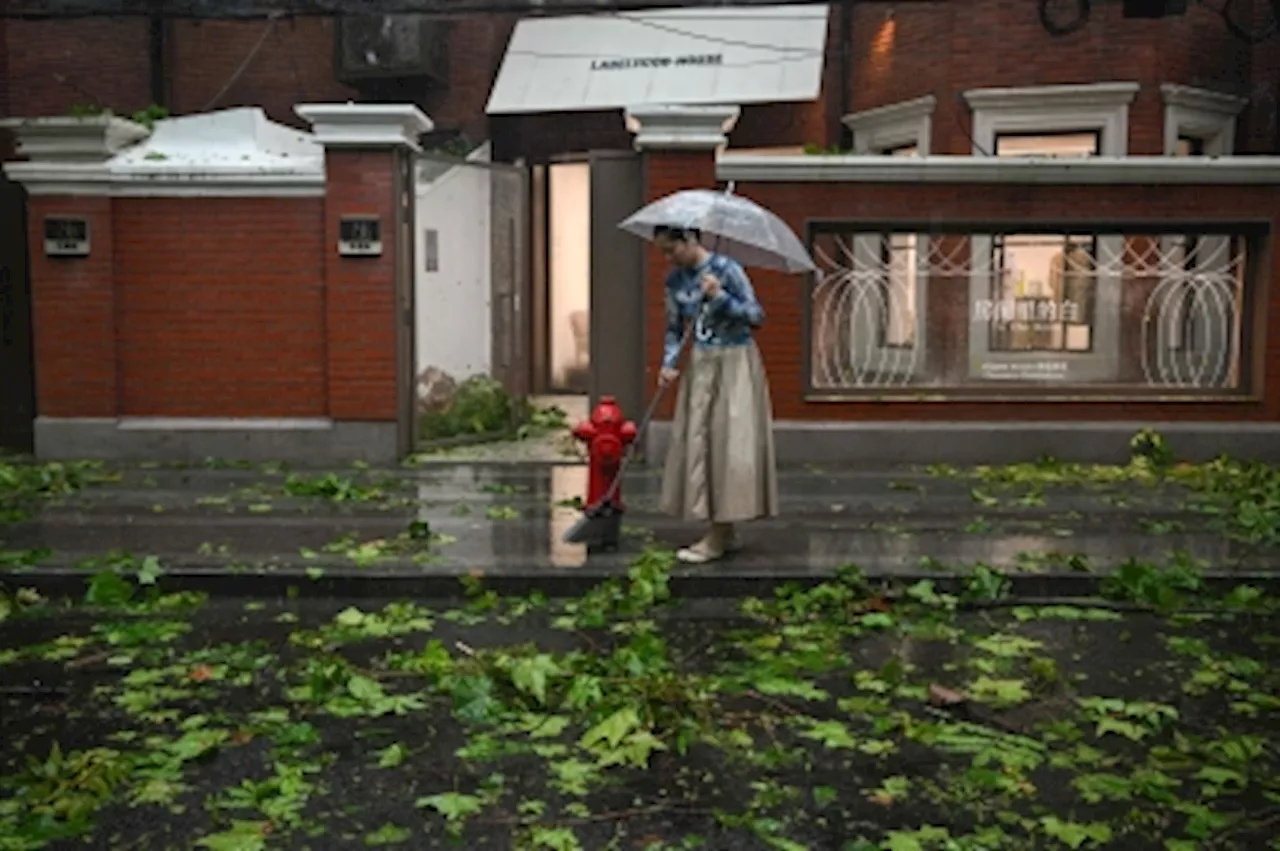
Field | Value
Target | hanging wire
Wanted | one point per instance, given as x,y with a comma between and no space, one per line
789,53
244,64
728,42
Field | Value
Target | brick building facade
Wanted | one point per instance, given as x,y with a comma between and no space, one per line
878,54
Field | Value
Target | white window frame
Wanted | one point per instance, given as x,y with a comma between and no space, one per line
1098,107
1103,107
881,131
897,125
1200,114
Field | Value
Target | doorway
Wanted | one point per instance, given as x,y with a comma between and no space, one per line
568,276
580,260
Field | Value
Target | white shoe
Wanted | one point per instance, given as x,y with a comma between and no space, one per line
706,550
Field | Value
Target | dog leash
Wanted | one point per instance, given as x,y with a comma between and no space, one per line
643,427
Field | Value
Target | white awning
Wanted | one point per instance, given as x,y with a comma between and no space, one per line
710,55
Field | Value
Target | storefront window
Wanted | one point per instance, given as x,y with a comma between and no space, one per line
1042,292
1043,297
1189,252
902,283
1034,311
1049,312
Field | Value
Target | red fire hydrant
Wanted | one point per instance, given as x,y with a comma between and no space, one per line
607,435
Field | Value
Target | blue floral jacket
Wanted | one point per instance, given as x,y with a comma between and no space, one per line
726,320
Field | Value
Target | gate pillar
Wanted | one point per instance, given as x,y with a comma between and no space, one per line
370,152
679,145
72,272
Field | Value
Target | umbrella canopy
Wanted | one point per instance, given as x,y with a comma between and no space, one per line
729,224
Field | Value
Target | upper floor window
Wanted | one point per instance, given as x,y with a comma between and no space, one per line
1188,146
1047,144
910,150
1199,122
890,129
1097,110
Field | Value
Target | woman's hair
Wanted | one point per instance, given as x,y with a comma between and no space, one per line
677,234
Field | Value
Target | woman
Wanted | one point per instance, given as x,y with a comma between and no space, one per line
720,464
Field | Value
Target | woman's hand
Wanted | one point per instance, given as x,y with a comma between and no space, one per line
667,375
710,285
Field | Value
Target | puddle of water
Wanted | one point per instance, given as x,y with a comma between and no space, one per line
566,483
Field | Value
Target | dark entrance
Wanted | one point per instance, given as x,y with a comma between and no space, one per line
17,366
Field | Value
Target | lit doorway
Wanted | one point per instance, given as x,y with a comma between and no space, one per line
580,259
568,277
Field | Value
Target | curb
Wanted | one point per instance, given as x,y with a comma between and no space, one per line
688,583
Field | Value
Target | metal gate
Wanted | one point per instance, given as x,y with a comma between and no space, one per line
17,365
472,275
509,269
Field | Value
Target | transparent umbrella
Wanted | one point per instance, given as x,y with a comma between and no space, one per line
729,224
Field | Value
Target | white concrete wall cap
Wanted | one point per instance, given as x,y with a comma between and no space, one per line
1204,100
87,139
45,178
365,125
671,127
1207,171
230,153
904,111
1021,97
241,141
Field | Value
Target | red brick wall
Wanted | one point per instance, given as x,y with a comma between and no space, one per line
294,65
219,307
361,310
938,48
1261,125
907,50
781,124
782,340
54,65
73,311
944,49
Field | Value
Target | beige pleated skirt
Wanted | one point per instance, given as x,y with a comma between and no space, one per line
720,463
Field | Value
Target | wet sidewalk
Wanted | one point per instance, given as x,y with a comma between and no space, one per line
418,531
